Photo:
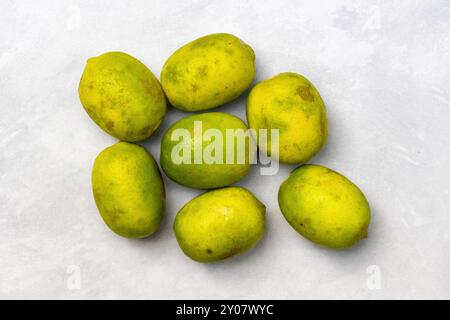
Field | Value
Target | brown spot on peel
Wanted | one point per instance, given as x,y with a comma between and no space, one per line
202,71
109,124
305,93
194,88
364,233
145,130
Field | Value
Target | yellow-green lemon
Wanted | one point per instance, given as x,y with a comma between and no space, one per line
122,96
128,190
324,206
208,72
207,150
289,103
219,224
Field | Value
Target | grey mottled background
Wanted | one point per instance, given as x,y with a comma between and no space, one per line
383,69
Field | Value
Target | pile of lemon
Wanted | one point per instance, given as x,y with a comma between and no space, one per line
125,99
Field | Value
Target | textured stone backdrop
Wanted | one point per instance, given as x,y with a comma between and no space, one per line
382,68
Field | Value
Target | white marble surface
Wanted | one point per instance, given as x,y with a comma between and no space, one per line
382,68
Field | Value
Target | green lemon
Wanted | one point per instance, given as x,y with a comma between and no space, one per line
122,96
290,104
219,224
128,190
209,136
324,206
208,72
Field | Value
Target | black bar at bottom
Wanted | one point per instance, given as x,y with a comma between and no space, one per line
221,309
